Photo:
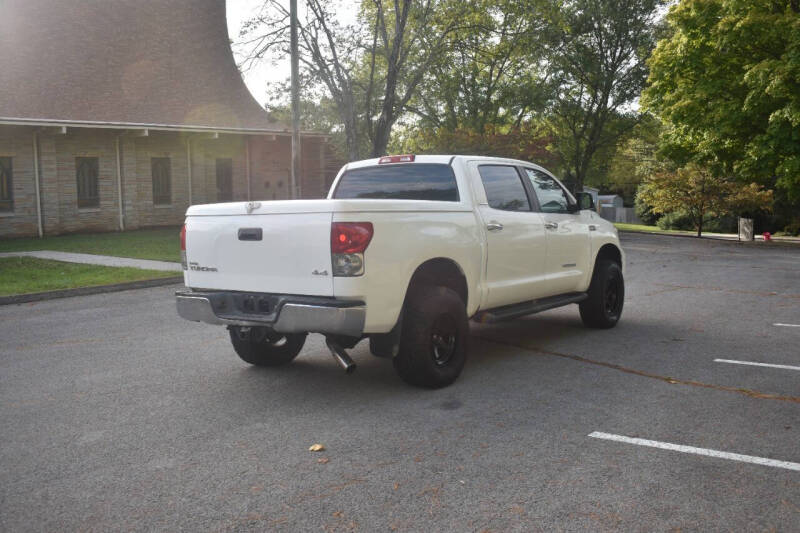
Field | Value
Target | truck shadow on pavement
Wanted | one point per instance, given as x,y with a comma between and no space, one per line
314,377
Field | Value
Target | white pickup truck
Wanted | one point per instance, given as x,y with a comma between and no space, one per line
404,251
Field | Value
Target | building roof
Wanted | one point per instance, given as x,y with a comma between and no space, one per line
123,62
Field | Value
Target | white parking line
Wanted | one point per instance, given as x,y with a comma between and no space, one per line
787,325
697,451
734,362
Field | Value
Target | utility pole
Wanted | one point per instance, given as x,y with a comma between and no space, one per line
295,100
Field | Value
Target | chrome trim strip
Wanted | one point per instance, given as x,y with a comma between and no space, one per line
293,318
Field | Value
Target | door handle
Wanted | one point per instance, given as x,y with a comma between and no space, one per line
494,226
551,225
592,227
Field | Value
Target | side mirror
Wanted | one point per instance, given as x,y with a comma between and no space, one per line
585,200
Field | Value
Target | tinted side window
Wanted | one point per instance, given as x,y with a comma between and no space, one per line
414,181
504,189
552,198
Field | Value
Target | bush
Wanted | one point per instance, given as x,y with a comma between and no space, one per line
721,224
680,220
793,228
675,220
644,210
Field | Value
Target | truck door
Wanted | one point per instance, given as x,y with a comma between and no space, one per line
515,236
568,246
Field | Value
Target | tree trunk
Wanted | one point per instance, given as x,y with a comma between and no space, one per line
700,227
383,125
350,139
382,130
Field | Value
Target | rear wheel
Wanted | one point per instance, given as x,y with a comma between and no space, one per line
433,343
264,347
603,307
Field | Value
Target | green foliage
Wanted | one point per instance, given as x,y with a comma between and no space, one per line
727,83
643,209
633,160
597,59
793,227
574,69
681,220
490,75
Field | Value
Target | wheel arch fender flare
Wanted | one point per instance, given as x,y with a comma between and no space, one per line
610,251
441,271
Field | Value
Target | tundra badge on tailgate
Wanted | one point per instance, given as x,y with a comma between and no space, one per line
195,266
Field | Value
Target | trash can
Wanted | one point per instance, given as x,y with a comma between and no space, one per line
746,229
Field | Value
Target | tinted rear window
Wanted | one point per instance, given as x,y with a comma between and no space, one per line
504,189
415,181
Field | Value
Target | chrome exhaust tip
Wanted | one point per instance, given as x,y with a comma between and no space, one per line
341,356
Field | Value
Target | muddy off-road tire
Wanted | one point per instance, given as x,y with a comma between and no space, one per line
603,307
434,338
263,347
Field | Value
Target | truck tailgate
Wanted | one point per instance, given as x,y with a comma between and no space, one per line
292,255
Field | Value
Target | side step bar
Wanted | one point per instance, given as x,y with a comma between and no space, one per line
510,312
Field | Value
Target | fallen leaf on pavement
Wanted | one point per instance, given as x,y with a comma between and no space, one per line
317,448
323,460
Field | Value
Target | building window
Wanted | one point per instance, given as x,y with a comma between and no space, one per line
224,180
87,175
6,185
162,180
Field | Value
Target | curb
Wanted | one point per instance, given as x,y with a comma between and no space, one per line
774,241
684,235
85,291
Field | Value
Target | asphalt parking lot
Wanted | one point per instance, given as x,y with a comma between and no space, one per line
118,415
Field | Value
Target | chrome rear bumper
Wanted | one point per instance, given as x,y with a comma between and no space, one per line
288,314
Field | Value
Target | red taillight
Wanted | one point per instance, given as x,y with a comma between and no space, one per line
183,238
350,237
405,158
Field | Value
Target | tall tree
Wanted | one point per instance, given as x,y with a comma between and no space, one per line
727,84
698,191
634,158
492,74
598,61
370,69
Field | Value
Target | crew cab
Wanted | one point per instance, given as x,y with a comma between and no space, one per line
403,252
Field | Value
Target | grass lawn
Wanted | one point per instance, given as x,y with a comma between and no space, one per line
162,244
23,275
650,229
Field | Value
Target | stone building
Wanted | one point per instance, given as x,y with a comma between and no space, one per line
117,115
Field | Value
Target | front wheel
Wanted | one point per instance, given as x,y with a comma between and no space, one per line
433,344
603,307
264,347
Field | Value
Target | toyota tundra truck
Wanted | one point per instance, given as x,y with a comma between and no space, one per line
404,251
